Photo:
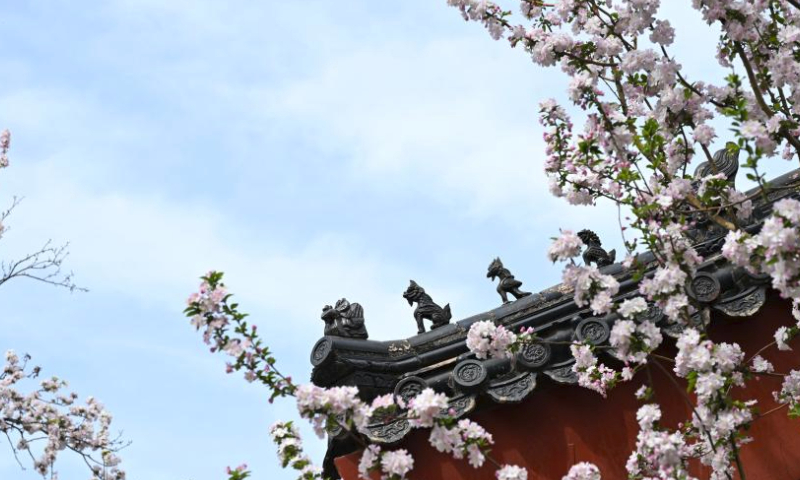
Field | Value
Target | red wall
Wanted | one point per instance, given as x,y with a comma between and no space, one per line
559,425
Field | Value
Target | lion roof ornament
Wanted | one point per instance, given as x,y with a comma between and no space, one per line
426,308
594,251
344,320
508,284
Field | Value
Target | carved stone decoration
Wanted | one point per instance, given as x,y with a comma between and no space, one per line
725,161
400,348
672,329
426,308
563,374
699,320
513,390
344,320
594,252
593,330
534,355
705,287
321,351
460,406
409,387
744,304
653,314
469,375
388,432
508,284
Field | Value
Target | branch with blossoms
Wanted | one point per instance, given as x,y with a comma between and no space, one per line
225,329
48,420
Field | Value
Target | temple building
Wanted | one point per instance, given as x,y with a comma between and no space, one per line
539,417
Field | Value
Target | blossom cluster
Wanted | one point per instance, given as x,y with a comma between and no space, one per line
790,393
461,439
592,374
226,330
485,339
53,418
712,370
774,250
511,472
393,464
591,287
583,471
5,143
634,342
568,245
659,453
290,451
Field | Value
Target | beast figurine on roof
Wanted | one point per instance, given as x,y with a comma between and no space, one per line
426,308
508,284
344,320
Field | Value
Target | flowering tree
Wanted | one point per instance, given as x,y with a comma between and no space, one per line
48,419
646,122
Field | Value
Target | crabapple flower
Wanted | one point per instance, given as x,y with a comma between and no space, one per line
49,420
511,472
629,308
633,342
762,365
782,337
591,287
583,471
592,375
659,453
396,463
790,391
488,340
465,438
423,408
566,246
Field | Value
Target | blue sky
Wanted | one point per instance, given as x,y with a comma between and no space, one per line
310,149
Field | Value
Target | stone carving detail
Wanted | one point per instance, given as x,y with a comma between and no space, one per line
409,387
390,432
469,374
744,305
563,374
653,313
514,390
508,284
725,161
699,320
344,320
595,253
460,406
320,351
705,287
534,355
593,330
399,349
426,308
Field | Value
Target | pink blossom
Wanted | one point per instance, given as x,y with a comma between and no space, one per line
511,472
583,471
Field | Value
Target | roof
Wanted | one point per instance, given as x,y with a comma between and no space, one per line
441,360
